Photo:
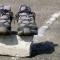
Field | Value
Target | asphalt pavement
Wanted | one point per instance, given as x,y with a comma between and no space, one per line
50,48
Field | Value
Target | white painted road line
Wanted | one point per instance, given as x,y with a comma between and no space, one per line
50,21
42,30
56,15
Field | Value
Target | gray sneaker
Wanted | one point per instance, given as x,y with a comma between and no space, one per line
26,23
5,21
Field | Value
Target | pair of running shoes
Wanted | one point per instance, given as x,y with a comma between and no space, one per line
25,19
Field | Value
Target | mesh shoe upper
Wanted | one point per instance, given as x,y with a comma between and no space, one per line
5,18
26,23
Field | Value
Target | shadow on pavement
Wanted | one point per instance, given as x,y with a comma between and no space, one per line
27,38
42,48
9,40
12,39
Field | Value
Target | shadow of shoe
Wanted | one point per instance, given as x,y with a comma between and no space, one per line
9,40
27,38
42,48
